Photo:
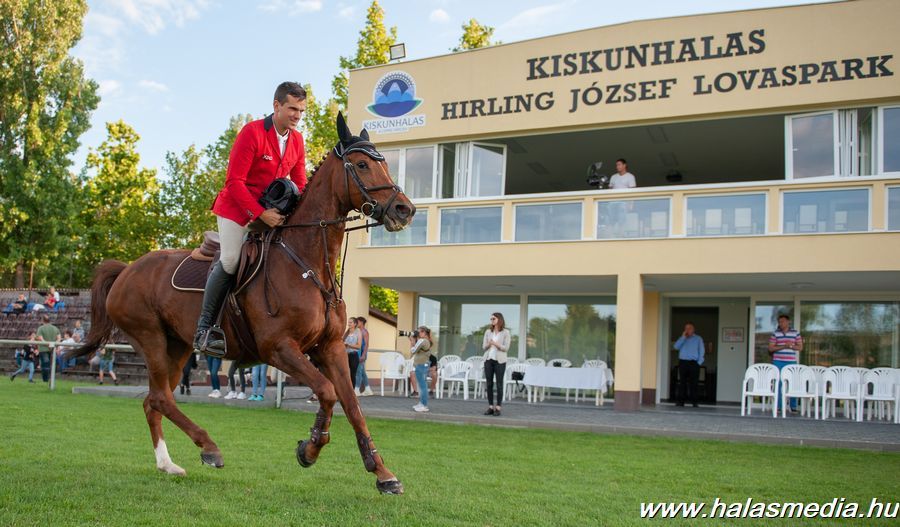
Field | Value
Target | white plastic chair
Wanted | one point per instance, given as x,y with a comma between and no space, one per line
760,380
509,385
393,368
743,220
446,359
537,361
511,360
883,395
819,372
594,363
454,372
840,383
799,381
476,374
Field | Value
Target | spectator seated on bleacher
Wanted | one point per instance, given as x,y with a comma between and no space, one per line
20,305
52,300
61,350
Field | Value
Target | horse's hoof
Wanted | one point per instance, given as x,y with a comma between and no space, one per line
301,457
213,459
391,486
172,468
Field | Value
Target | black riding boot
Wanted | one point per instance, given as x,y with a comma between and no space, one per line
217,286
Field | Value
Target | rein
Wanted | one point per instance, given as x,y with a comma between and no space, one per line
333,292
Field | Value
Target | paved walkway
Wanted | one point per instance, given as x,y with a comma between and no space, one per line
722,423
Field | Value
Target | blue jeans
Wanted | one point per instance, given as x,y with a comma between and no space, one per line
45,365
421,375
258,375
214,363
26,365
781,364
362,380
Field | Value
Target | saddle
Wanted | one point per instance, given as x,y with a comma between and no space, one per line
191,274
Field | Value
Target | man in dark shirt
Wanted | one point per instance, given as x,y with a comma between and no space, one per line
20,305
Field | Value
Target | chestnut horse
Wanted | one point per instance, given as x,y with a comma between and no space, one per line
159,321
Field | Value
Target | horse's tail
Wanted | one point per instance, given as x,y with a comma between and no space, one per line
101,325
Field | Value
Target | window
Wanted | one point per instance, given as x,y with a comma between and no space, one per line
812,145
838,142
893,210
639,218
859,334
413,169
726,215
766,321
472,169
890,139
415,234
576,328
392,158
546,222
470,225
458,323
826,211
487,169
419,172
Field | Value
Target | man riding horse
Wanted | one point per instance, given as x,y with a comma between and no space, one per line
263,151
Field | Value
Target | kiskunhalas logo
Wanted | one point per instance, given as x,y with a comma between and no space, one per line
393,98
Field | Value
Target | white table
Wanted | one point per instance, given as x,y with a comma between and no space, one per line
567,378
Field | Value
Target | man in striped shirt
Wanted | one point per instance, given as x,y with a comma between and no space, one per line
785,346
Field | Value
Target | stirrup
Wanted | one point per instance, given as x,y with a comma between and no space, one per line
207,341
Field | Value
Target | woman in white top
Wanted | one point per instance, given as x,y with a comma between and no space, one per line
352,344
496,344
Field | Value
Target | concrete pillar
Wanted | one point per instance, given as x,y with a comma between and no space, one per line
649,355
629,338
679,204
406,318
356,296
877,203
774,220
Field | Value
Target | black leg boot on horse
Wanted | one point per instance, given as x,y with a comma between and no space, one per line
210,339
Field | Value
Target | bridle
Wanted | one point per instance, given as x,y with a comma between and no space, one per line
370,208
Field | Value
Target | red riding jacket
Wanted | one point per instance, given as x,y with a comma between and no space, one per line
255,162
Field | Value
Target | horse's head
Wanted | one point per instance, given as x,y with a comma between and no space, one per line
370,188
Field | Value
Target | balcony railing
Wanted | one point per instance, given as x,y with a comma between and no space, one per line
770,208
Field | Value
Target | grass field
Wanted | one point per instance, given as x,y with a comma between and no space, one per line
85,460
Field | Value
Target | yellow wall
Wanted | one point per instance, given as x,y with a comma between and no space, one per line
811,34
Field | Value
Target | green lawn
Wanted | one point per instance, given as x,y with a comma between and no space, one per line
85,460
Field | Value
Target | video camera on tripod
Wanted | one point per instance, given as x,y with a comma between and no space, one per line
595,178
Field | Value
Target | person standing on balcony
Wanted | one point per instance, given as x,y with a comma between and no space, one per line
785,346
690,357
622,178
495,344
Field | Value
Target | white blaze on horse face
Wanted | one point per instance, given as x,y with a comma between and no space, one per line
164,462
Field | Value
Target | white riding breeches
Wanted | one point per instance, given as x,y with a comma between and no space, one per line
231,237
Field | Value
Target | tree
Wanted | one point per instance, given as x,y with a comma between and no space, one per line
475,36
194,179
121,218
45,106
383,299
372,49
320,134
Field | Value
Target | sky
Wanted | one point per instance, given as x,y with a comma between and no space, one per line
178,70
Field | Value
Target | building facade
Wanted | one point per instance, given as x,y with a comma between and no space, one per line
766,149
